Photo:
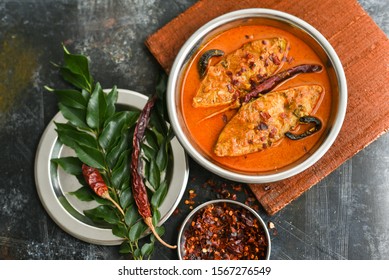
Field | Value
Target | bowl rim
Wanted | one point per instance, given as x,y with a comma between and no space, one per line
257,13
222,200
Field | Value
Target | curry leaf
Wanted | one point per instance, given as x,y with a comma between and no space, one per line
77,68
73,115
137,230
159,196
158,136
71,165
69,135
113,129
131,216
90,156
137,253
151,139
96,108
71,98
119,230
114,154
126,183
156,217
84,194
161,93
147,249
111,99
162,155
103,212
126,198
125,247
77,80
148,152
121,171
154,175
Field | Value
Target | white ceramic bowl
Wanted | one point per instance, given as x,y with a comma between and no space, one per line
283,21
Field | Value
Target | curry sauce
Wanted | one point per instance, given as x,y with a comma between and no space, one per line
205,131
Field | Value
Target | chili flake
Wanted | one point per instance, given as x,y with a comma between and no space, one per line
224,231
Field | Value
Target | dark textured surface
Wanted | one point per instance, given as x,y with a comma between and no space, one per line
342,217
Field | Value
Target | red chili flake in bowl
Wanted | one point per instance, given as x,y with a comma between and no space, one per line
224,231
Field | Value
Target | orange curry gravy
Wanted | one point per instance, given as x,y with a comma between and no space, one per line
205,133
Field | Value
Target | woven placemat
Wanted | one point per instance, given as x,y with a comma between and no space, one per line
360,44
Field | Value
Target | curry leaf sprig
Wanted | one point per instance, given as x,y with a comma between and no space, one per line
100,136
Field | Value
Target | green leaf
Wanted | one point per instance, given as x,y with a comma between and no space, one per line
146,169
137,254
126,198
121,146
161,93
162,155
126,183
90,156
148,152
159,136
147,249
151,139
84,194
134,116
69,135
121,171
77,68
86,94
113,128
74,79
125,248
77,63
96,108
111,99
137,230
154,176
159,196
75,116
158,123
104,212
156,217
119,230
131,215
71,98
71,165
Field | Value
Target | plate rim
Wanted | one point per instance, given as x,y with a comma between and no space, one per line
75,227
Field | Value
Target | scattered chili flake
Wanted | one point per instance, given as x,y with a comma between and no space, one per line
272,227
267,188
224,118
190,201
176,211
224,231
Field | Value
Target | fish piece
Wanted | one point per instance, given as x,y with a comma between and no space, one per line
235,74
262,122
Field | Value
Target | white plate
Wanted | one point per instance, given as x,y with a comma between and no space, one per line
54,185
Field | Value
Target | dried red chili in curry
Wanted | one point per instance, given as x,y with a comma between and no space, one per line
224,232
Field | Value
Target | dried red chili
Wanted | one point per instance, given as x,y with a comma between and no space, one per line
270,83
138,186
223,231
94,180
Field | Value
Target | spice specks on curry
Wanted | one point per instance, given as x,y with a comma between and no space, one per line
247,108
